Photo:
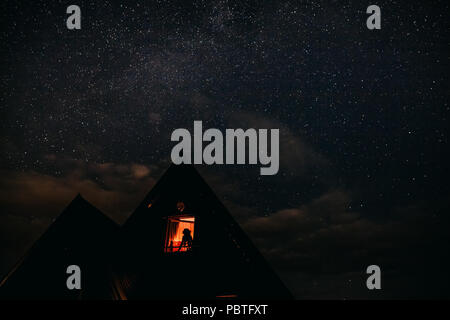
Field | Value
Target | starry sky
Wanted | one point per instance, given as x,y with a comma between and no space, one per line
363,118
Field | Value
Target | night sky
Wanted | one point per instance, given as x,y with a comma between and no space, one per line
363,118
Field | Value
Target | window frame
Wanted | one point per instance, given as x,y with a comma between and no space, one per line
166,234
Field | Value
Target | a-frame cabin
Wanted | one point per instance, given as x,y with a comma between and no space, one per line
181,242
81,235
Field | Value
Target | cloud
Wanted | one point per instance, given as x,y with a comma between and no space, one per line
31,200
296,156
114,188
323,244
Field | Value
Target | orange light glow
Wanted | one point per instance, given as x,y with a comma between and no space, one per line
177,228
227,296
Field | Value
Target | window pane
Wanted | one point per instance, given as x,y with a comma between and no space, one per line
180,233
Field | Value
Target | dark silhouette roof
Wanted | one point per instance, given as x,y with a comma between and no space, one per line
130,262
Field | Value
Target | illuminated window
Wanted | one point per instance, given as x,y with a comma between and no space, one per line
180,233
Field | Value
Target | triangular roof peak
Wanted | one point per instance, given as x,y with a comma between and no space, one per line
179,181
80,207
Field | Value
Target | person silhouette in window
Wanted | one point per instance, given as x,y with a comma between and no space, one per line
186,240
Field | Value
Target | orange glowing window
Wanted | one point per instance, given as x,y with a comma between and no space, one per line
180,233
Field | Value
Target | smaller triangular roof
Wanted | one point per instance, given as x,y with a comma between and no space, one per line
81,236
